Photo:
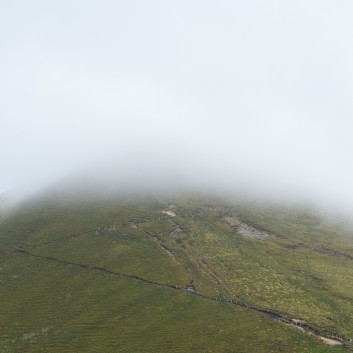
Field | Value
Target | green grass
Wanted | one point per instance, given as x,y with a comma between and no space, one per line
47,306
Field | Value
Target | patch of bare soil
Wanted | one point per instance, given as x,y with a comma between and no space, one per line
169,213
331,341
250,232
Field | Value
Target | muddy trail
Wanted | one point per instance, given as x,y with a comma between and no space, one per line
325,336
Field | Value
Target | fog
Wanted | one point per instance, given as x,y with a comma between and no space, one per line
231,95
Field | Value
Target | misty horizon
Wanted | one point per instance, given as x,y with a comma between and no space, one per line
240,96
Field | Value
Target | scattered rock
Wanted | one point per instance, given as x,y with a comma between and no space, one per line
176,230
297,322
132,224
169,213
190,288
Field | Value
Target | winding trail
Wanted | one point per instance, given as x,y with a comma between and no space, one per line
321,334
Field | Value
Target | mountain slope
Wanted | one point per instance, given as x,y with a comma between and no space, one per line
176,273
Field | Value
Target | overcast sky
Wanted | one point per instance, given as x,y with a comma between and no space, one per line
255,91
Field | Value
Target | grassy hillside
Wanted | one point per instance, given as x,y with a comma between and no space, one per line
172,273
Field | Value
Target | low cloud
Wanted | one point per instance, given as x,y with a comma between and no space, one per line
253,96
